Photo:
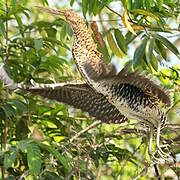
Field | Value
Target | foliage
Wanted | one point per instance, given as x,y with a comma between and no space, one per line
40,131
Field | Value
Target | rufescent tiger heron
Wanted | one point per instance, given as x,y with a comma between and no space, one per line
109,97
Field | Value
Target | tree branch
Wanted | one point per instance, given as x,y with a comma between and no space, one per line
93,125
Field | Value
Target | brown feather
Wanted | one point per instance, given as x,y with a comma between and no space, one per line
83,97
148,86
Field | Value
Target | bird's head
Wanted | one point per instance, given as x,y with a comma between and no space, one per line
71,17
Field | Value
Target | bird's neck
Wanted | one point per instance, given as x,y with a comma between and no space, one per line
83,36
86,55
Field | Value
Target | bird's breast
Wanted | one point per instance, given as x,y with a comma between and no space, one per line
131,102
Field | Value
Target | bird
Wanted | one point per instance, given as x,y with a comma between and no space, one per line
134,95
113,97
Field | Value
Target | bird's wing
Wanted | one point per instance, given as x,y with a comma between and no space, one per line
83,97
148,86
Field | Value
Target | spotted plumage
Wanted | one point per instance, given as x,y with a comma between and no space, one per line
107,94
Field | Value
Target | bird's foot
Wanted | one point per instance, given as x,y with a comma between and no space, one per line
159,147
161,152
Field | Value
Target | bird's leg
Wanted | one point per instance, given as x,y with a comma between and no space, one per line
158,151
159,147
154,159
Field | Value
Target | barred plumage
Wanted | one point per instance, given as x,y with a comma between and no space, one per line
133,95
81,96
106,96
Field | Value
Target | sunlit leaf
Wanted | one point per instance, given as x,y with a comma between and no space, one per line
127,23
160,3
149,49
154,63
113,45
146,13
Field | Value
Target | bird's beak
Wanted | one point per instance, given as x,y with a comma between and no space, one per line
51,10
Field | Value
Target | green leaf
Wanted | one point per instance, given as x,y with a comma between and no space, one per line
20,106
45,2
139,53
34,159
95,9
57,155
51,32
154,63
53,176
2,28
13,3
145,13
160,3
167,43
72,2
19,21
124,3
9,110
53,40
120,40
38,43
91,6
69,30
23,144
113,45
10,158
85,7
161,49
149,49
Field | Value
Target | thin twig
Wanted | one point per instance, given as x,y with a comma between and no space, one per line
93,125
177,102
113,11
